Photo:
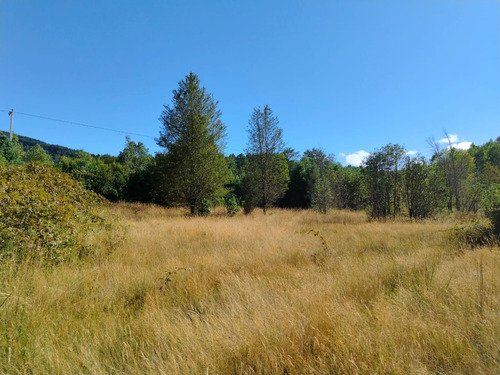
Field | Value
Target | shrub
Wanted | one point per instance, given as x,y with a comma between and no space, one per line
472,234
47,216
232,205
206,208
248,207
492,207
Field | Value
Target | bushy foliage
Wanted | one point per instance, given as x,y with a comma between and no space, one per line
384,181
351,188
10,151
46,216
472,235
321,178
492,207
103,175
37,154
424,190
206,208
457,167
489,153
237,166
139,166
232,205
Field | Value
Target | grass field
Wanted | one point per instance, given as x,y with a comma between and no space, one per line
291,292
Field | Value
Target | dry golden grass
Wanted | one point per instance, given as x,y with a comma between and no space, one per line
258,295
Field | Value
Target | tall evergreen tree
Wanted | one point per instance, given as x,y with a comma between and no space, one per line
267,171
193,168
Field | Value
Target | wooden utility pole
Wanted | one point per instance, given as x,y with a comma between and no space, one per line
11,114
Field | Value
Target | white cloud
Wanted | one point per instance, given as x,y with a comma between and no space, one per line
411,153
453,138
453,141
462,145
356,158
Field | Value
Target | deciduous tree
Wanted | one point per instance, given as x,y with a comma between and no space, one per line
457,166
383,174
139,165
321,180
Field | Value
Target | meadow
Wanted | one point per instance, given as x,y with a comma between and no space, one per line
290,292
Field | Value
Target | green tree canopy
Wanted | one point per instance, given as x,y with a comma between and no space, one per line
10,151
383,177
135,156
106,179
139,166
321,179
37,154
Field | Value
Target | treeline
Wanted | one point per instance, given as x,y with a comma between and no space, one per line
55,151
194,172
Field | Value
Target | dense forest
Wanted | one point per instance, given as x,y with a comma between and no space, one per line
194,172
55,151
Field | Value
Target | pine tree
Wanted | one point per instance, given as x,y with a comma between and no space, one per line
193,169
267,171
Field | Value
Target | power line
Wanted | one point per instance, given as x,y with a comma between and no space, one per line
80,124
94,126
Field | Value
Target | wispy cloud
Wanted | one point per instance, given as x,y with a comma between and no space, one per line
356,158
411,153
453,141
453,138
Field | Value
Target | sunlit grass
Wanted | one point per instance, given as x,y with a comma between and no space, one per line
258,295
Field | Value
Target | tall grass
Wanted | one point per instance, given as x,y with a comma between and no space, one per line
250,295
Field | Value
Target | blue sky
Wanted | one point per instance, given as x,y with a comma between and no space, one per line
343,75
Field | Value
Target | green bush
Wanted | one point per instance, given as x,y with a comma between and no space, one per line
232,205
492,207
472,235
206,208
248,207
47,216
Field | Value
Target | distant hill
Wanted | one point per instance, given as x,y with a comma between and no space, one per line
55,151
